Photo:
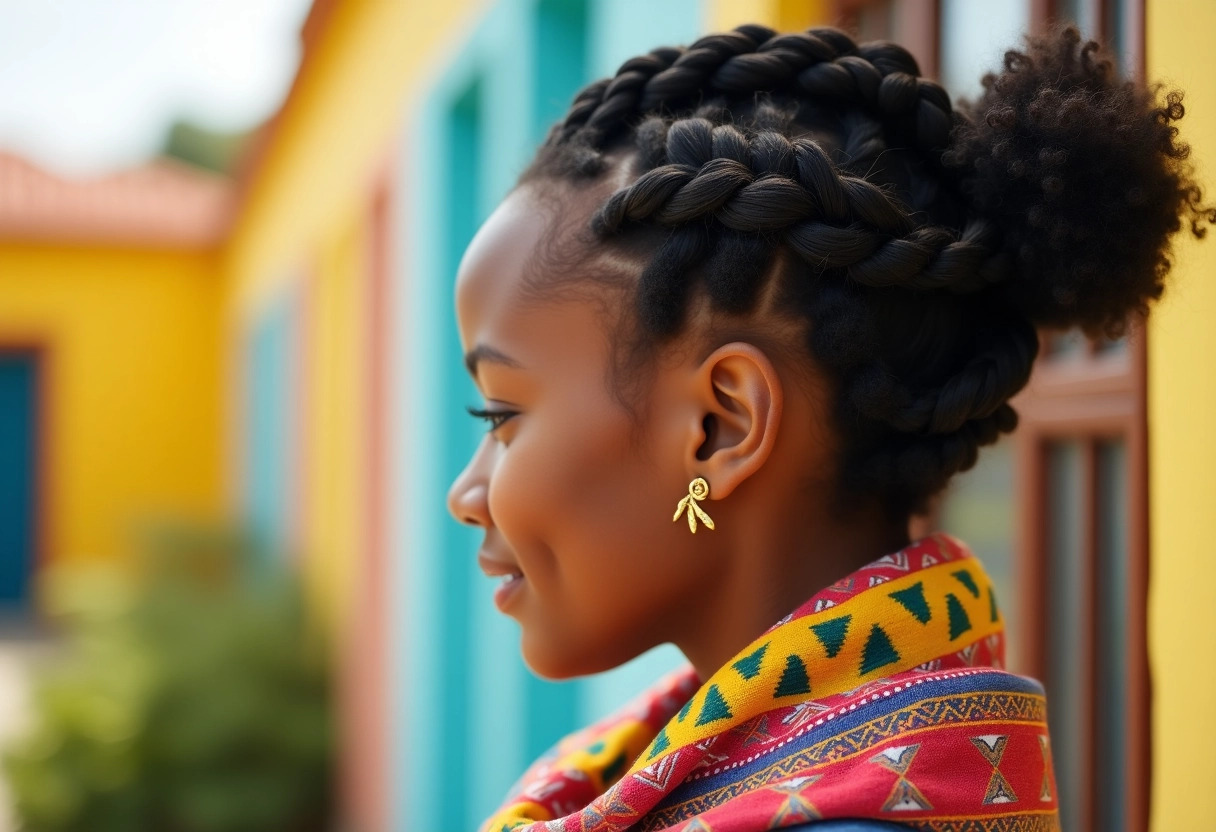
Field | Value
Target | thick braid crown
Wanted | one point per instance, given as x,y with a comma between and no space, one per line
925,242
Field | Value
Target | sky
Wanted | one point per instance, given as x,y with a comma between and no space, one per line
92,86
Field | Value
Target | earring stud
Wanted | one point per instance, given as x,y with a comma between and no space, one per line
698,489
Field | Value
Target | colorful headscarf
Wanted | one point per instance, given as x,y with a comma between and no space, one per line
881,697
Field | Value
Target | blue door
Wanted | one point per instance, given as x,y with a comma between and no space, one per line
18,423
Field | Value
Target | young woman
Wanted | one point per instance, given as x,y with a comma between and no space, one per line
778,285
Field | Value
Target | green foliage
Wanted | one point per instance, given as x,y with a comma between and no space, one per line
217,152
190,699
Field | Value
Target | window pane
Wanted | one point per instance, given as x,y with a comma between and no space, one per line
1106,346
975,37
1114,32
1064,344
979,510
1066,591
1121,24
1081,12
1112,633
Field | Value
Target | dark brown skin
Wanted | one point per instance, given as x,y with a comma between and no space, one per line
568,498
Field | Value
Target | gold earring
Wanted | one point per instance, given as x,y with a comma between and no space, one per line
698,489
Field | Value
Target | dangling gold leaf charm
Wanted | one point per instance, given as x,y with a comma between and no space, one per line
698,489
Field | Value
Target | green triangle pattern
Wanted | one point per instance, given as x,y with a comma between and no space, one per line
964,578
614,769
715,707
749,665
661,743
680,717
878,652
959,622
992,610
831,633
794,680
913,600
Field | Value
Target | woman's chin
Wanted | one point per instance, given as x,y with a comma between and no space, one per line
553,668
559,662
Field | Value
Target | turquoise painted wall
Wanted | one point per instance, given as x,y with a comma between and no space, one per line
468,715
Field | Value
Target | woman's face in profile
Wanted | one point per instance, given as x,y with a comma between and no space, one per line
575,507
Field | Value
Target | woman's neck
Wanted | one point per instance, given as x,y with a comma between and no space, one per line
773,568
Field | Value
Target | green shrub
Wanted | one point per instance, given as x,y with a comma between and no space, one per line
192,698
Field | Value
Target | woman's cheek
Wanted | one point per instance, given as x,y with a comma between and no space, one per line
508,499
521,504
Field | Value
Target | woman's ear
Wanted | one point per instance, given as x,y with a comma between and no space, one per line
740,397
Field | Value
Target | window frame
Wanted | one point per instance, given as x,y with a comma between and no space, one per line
1089,396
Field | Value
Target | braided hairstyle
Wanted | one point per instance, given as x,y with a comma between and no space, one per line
920,244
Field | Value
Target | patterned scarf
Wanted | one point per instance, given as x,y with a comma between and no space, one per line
881,697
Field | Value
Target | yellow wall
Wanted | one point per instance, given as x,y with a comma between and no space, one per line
335,131
133,384
336,396
1182,454
305,217
783,15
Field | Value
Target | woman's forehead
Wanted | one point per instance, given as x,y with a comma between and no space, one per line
502,246
496,284
537,245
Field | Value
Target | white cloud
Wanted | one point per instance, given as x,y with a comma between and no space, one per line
93,85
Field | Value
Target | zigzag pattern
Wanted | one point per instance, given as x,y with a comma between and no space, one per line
828,700
929,713
1046,822
849,645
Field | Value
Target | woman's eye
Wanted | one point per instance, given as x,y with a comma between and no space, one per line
493,418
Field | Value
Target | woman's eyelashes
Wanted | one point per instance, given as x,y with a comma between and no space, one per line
493,418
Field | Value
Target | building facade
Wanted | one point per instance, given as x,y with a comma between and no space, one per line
309,380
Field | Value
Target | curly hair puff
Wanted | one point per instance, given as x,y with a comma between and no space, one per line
921,244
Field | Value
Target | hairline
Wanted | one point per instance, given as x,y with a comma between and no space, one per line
612,286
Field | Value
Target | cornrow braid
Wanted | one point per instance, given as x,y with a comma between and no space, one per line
921,288
820,64
830,218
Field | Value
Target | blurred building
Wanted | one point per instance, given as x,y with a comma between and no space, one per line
110,371
284,349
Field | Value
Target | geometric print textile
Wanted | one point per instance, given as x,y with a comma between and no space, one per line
880,697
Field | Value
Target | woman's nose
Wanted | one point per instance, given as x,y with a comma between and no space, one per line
467,498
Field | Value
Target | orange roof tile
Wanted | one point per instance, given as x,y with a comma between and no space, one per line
161,204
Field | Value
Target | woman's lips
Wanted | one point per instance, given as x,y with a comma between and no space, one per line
512,582
494,567
507,590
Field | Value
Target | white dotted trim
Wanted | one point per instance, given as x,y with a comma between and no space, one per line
865,700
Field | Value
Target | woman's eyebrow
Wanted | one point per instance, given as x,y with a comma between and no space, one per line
484,352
